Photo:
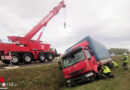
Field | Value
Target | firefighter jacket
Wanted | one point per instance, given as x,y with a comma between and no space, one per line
114,64
106,69
125,59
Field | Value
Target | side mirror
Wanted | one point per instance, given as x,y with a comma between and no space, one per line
89,58
60,67
91,52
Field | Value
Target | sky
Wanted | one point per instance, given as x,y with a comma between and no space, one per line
107,21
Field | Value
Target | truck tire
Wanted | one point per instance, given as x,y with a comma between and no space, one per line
42,57
50,56
93,77
15,59
71,84
27,58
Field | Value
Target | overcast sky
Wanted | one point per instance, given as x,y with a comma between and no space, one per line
107,21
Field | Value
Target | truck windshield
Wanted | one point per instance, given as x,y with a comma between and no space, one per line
73,58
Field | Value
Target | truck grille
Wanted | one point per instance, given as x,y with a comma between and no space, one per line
76,72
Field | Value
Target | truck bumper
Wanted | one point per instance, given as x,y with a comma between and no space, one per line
80,79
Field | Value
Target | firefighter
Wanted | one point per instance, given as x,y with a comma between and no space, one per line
114,64
106,72
125,61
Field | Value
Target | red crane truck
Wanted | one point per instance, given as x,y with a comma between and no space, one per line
24,49
81,62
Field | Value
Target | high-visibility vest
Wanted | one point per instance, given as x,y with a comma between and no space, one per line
115,64
106,69
125,59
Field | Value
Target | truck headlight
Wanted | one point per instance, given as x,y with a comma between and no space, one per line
68,81
89,74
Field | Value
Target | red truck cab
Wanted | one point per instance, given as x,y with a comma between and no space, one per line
80,64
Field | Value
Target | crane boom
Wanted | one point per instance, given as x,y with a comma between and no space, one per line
23,47
44,21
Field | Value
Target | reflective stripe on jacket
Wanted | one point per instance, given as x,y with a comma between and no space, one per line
115,64
125,59
106,69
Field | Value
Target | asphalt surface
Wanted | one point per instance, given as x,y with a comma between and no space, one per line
34,63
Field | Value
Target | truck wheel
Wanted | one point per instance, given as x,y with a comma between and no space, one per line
71,84
42,57
27,58
15,59
50,56
93,77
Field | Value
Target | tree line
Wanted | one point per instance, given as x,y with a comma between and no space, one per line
118,51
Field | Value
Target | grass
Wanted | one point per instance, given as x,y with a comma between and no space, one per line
48,77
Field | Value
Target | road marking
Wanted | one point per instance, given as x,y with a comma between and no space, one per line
3,88
11,67
33,64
